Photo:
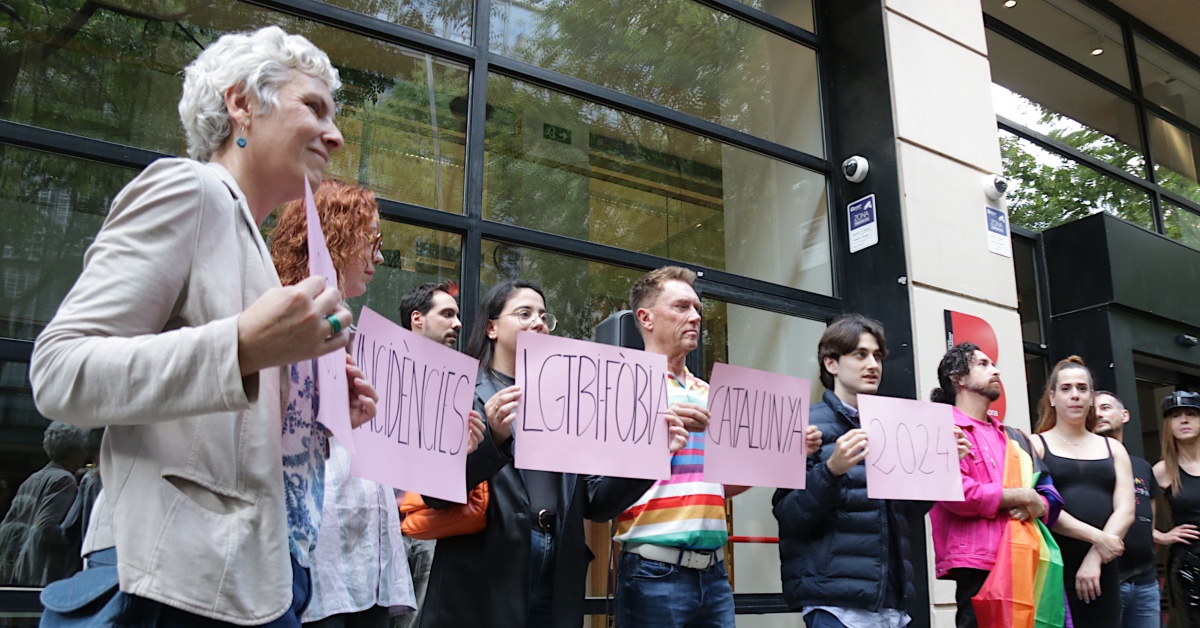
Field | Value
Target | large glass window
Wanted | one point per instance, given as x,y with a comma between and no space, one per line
33,491
563,169
1168,81
1182,224
1041,91
1082,34
50,210
1176,155
1050,189
574,168
677,53
798,12
445,18
115,75
1033,91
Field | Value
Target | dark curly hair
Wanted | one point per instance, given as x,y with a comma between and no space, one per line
956,363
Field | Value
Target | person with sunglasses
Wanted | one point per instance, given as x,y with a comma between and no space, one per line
1178,475
527,567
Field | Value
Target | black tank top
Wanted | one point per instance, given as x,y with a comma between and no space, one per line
1185,506
1086,486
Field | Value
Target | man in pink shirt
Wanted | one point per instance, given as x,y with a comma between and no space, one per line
966,534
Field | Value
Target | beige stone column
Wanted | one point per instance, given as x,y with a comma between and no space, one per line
947,145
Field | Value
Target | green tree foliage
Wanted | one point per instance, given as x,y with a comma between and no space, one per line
1050,189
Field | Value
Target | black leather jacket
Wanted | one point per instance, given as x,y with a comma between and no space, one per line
482,580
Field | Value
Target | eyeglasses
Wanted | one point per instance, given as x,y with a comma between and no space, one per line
525,317
377,244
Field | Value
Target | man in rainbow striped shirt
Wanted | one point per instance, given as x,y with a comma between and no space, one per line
671,572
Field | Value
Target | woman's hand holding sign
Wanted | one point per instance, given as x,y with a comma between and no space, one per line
502,411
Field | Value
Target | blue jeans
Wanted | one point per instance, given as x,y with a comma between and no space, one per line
541,579
656,594
1140,605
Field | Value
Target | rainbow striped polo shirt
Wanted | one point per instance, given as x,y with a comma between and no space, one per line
684,511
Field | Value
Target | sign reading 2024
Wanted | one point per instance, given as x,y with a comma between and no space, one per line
913,452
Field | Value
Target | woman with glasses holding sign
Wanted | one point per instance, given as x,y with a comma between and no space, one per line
1178,475
527,566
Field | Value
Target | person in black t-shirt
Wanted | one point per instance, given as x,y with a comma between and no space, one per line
1139,579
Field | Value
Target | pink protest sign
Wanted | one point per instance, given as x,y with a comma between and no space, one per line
418,438
591,408
756,433
913,453
334,409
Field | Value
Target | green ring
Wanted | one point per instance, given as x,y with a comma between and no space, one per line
335,323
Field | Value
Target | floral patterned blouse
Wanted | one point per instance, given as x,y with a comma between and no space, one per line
305,446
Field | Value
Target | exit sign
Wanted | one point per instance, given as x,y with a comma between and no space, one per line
556,133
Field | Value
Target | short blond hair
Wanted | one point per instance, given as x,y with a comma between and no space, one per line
646,290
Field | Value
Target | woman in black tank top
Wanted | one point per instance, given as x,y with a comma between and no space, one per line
1095,478
1179,476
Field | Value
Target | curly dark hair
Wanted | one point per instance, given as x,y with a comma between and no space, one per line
956,363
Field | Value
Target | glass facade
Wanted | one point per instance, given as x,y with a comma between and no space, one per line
1078,135
542,138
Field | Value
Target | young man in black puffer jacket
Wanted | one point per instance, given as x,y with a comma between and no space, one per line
845,557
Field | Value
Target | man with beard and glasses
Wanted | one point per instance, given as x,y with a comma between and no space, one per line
966,534
429,310
1140,604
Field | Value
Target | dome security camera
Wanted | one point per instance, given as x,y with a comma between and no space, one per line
855,169
995,186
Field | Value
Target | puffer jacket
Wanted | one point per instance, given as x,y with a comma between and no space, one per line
833,539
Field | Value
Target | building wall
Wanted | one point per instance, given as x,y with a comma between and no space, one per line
946,146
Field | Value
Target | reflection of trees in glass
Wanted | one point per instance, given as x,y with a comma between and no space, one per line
1050,189
579,293
52,208
566,166
399,143
677,53
1182,225
109,70
100,69
445,18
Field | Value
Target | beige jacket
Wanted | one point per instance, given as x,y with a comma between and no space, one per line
145,345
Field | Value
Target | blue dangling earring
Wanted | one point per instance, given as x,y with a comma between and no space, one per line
241,141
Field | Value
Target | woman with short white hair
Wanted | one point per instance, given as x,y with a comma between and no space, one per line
173,337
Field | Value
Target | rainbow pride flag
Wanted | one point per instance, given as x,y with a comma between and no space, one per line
1025,588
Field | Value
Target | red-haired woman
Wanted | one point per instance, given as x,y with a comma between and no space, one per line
1094,476
359,570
